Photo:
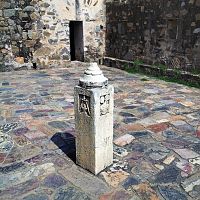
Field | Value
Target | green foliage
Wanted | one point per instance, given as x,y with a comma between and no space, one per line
195,71
144,79
137,68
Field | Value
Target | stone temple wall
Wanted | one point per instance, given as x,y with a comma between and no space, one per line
37,31
155,31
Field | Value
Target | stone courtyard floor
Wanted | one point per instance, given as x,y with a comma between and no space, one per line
156,137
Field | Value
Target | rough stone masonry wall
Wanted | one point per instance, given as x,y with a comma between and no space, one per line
18,36
37,31
155,31
93,15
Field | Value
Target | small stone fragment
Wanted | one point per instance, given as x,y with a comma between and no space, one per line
160,167
124,140
195,161
187,103
169,160
121,152
145,191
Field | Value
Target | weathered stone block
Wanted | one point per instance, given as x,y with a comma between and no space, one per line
94,123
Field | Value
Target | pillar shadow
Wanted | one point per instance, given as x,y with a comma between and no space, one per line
67,143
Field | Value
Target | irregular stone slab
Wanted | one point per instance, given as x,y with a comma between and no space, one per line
169,160
145,191
186,153
119,194
124,140
129,120
115,178
35,135
84,180
185,166
168,175
170,134
144,170
140,134
126,114
191,182
54,181
152,91
157,155
129,182
70,193
36,197
178,123
20,189
170,193
11,168
183,126
196,147
158,127
27,174
21,131
147,121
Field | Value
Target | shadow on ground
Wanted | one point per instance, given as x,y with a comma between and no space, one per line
67,143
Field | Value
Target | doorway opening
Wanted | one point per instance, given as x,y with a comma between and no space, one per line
76,40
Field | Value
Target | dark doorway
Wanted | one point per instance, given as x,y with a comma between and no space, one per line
76,40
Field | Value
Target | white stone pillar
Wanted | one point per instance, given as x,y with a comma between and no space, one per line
93,101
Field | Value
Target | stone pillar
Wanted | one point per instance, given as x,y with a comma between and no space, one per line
93,100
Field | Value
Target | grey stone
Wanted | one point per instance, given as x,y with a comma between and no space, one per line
36,197
9,12
71,193
129,182
170,193
54,181
29,9
53,41
168,175
191,182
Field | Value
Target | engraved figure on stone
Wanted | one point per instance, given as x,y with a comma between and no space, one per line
85,104
91,2
104,104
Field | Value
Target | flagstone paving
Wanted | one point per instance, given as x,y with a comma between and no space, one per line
156,139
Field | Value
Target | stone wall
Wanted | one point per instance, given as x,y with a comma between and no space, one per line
155,31
36,32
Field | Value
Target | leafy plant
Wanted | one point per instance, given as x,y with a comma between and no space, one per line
137,68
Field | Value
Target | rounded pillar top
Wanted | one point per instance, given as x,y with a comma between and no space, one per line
93,77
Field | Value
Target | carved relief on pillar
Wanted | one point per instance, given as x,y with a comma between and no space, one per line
84,104
104,104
